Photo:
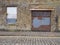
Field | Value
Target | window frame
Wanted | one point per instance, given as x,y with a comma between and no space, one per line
43,16
13,18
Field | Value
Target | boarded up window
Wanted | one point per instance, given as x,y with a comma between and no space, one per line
37,22
41,19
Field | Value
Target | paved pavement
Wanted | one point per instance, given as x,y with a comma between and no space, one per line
21,33
28,40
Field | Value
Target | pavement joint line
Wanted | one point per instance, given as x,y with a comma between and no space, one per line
26,37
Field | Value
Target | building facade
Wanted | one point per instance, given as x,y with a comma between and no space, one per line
40,15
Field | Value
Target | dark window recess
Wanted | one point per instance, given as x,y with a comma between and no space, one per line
56,19
41,13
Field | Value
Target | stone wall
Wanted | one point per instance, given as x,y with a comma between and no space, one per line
24,12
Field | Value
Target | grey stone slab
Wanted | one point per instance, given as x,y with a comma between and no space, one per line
19,40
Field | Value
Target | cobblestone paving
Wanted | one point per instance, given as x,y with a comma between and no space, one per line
18,40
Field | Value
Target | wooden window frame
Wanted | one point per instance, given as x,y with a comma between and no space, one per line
43,16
